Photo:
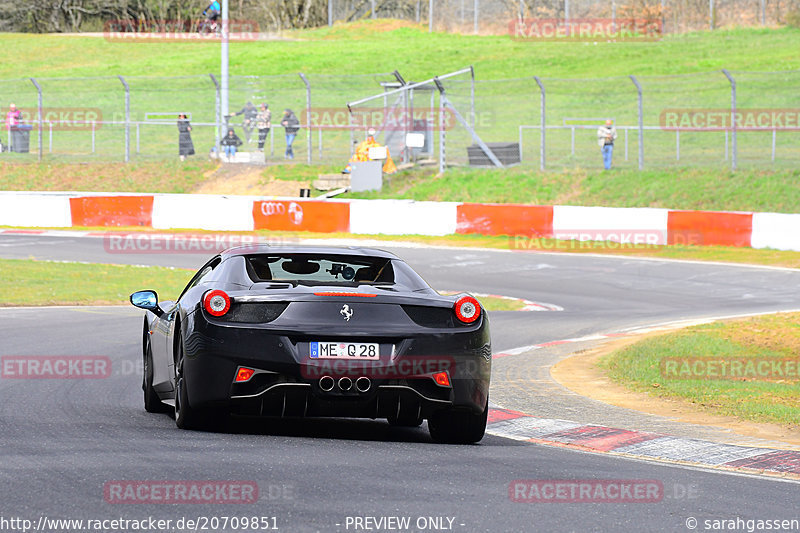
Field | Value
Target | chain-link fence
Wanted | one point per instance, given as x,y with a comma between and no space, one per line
497,16
661,121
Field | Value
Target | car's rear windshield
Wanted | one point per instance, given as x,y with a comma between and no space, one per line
328,269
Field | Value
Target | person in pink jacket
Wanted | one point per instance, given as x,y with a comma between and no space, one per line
13,118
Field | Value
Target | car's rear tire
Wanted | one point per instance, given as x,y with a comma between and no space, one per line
152,403
452,426
186,416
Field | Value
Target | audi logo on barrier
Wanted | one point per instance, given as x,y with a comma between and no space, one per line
294,211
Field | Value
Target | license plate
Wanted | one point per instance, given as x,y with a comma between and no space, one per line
344,350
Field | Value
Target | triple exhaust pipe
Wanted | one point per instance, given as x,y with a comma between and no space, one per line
327,383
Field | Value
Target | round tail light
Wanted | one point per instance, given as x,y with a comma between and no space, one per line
467,309
216,302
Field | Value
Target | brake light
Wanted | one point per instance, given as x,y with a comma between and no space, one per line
216,302
442,379
244,374
467,309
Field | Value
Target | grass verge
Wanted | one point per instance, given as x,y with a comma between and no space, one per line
371,46
678,188
689,365
32,282
686,188
162,176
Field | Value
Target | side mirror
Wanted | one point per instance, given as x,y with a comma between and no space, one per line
147,300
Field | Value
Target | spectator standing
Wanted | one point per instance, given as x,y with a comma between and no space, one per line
185,144
249,122
605,138
212,14
229,144
13,119
291,125
263,123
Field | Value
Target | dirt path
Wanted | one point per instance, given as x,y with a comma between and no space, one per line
580,374
247,180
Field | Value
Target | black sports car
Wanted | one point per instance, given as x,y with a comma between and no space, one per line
307,331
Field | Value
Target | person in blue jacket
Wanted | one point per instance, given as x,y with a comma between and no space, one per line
212,14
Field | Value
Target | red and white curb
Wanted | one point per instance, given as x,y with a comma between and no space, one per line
640,444
531,226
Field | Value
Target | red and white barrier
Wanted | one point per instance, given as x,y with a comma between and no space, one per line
400,217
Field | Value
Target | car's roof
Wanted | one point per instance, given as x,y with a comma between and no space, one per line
249,249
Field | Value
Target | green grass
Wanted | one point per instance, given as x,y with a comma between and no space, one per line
641,367
164,176
684,188
365,47
29,282
33,282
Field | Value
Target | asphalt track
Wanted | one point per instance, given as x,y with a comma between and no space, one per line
63,440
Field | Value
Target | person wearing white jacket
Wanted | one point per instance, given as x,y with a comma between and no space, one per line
605,138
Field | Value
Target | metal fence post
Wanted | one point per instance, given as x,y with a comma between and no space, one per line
41,114
476,11
641,121
613,15
543,124
430,16
734,153
442,133
711,14
127,118
308,113
472,97
330,12
372,9
217,116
